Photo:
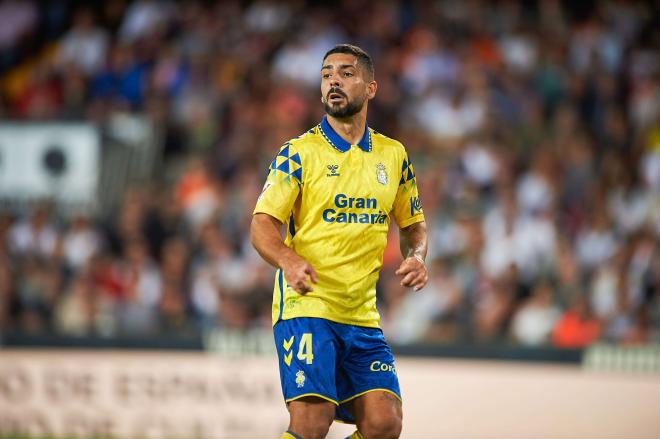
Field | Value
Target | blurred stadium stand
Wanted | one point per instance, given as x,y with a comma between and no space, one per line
534,128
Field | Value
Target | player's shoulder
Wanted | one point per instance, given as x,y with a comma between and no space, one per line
388,144
308,139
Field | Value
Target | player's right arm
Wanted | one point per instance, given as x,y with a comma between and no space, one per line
274,206
266,239
408,214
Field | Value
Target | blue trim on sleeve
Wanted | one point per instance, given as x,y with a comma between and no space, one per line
284,167
407,172
288,165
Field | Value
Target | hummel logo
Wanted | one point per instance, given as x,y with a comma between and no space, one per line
334,171
287,347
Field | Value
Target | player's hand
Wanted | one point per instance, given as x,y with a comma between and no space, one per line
299,273
413,272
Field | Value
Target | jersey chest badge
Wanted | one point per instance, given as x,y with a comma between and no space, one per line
381,173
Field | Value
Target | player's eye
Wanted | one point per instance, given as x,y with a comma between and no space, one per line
326,75
348,74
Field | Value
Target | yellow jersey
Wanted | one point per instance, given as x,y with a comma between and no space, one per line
336,200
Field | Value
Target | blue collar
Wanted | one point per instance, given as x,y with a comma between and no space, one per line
340,144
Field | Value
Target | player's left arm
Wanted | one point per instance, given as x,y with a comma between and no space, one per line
413,243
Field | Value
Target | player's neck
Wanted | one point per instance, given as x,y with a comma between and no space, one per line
351,129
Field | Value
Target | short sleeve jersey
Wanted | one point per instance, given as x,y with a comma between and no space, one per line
336,200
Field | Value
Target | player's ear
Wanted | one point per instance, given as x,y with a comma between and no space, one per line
372,86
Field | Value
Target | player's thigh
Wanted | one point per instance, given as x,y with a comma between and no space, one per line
378,413
306,349
310,412
368,366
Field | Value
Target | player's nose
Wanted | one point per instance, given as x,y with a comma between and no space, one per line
335,81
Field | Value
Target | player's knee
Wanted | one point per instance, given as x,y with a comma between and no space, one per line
319,432
311,428
380,426
312,431
311,418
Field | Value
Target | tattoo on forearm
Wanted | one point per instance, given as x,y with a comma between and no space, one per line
413,240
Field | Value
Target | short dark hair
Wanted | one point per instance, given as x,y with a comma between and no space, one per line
363,57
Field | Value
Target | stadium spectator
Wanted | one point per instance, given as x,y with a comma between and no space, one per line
85,44
76,310
533,322
577,327
534,128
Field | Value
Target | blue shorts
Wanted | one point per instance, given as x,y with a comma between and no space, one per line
333,361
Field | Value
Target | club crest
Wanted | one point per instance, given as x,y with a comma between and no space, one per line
381,173
300,378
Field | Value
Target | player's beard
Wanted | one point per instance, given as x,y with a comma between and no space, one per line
351,108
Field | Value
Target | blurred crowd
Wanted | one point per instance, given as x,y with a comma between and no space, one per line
534,128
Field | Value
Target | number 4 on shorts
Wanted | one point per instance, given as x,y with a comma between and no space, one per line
305,348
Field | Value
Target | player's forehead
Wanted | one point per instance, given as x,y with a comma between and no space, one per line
339,60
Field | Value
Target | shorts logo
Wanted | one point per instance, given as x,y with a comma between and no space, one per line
334,171
381,173
379,366
300,379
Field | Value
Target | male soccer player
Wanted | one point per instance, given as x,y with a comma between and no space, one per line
336,187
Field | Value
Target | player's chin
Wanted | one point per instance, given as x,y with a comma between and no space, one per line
336,109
